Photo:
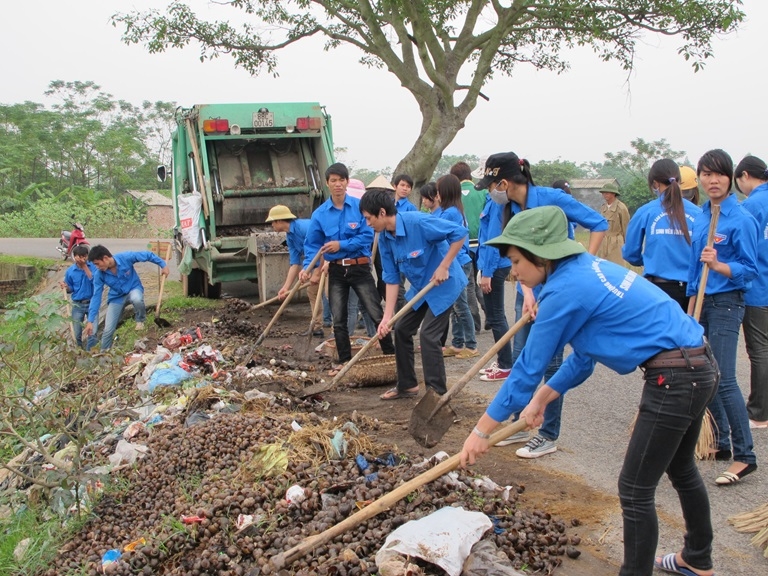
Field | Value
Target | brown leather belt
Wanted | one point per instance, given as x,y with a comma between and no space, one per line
680,358
352,261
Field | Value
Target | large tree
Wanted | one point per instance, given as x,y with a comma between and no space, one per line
441,51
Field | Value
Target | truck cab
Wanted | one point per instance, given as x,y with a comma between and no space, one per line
231,164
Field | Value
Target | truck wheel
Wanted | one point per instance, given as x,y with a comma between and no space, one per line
197,285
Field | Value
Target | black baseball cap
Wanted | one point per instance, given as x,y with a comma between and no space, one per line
499,167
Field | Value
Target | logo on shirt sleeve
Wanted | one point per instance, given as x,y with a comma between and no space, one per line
353,225
720,238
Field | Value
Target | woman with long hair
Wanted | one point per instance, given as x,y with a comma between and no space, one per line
464,342
659,233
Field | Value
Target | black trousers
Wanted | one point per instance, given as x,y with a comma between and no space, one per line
358,277
432,329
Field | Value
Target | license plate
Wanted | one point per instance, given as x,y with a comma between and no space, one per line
263,119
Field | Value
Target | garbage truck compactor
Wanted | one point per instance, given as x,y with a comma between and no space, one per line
231,164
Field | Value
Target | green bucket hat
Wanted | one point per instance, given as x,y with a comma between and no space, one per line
610,187
542,231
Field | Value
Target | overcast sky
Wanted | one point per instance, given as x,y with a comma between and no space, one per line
577,116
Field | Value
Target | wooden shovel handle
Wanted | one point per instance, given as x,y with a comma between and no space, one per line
162,282
385,502
472,372
277,298
403,311
318,302
286,301
705,271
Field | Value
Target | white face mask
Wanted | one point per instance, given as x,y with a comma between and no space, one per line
657,191
499,196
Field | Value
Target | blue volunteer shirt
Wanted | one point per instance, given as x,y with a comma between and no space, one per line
416,249
666,254
488,257
295,239
80,286
735,242
593,304
120,283
757,205
346,225
452,214
575,211
405,205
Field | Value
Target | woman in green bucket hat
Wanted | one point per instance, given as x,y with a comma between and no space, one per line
611,315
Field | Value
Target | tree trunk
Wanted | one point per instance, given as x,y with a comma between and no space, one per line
440,124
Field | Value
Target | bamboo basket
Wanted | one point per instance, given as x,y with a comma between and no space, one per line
369,371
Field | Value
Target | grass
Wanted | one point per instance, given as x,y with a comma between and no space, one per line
45,537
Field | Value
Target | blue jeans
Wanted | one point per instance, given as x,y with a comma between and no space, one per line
664,440
462,326
550,428
115,312
496,316
721,317
354,309
79,317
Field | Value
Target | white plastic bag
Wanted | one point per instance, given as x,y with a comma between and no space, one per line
444,538
189,217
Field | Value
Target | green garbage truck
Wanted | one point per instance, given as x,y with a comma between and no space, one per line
231,164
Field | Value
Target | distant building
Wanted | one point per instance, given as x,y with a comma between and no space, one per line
159,208
587,190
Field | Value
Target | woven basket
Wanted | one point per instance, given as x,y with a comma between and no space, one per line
379,370
328,348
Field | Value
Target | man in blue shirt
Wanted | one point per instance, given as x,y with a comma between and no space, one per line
422,248
403,186
283,220
117,273
78,282
339,232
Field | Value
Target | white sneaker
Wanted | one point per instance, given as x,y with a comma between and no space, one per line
489,369
537,446
515,439
139,326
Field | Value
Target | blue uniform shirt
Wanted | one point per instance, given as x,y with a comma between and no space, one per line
575,211
405,205
735,242
80,286
452,214
295,239
416,249
488,257
608,314
757,205
121,283
666,253
347,225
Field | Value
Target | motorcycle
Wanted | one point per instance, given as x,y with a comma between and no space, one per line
71,239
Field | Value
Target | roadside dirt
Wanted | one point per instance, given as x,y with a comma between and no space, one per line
560,494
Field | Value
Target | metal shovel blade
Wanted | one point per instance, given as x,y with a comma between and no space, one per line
162,322
428,428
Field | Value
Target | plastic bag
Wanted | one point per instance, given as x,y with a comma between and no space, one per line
189,217
168,374
444,538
